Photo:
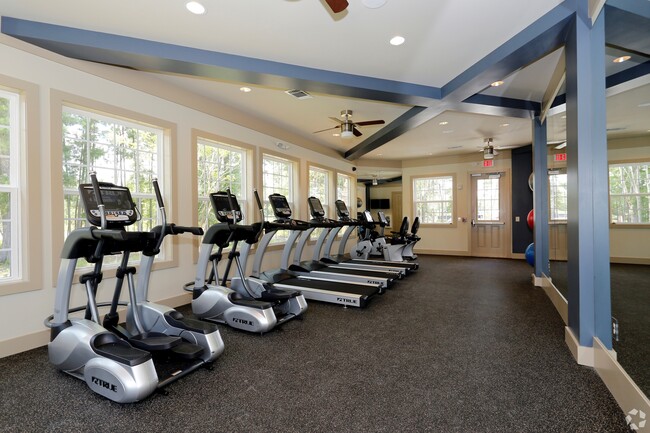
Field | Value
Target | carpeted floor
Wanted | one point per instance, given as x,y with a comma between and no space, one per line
463,345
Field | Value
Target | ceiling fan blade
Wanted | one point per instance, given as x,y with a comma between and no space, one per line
326,129
337,5
370,122
339,121
356,132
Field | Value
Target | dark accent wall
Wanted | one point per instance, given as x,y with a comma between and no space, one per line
522,197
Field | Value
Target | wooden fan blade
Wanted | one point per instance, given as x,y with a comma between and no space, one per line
327,129
339,121
337,5
370,122
356,132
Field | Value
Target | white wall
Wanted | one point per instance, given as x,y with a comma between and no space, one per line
26,311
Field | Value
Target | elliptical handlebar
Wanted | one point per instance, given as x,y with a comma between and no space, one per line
118,235
161,209
98,198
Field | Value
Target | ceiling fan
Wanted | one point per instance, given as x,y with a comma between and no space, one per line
337,5
348,127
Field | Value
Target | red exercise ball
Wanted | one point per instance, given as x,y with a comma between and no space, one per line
530,219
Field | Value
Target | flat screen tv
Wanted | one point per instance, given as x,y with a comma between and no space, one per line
379,203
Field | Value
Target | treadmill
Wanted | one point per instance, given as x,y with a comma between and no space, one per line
345,259
334,272
313,288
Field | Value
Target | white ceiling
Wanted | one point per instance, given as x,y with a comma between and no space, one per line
443,39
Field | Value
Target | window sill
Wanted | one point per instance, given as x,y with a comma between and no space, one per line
629,226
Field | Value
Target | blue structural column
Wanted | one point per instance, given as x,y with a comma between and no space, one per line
587,169
540,198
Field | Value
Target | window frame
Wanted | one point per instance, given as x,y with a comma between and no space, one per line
556,172
454,201
277,242
59,99
612,224
29,251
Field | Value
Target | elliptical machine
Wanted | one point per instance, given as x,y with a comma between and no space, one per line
123,365
250,304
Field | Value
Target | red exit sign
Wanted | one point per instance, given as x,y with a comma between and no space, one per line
560,157
488,163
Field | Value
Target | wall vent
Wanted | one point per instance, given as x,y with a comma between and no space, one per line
299,94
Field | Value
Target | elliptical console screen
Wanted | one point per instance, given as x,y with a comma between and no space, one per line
316,207
222,207
382,218
368,216
280,206
119,207
341,209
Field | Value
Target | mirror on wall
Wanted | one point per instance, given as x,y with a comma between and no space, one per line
557,200
628,124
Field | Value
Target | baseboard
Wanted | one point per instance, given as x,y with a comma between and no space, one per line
41,338
630,261
557,299
626,393
582,354
441,252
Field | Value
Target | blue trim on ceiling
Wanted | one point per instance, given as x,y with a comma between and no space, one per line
500,101
534,42
161,57
628,74
407,121
627,25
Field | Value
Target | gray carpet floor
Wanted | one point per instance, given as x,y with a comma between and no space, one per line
463,345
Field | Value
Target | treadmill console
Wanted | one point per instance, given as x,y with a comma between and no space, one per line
222,206
316,208
342,210
280,206
119,208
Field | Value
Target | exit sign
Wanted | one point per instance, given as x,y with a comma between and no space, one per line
560,157
488,163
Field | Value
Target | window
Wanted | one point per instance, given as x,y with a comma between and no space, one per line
122,152
434,199
558,196
10,266
629,193
219,167
277,177
343,188
487,199
319,181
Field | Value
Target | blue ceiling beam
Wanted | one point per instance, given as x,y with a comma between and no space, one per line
161,57
500,101
627,25
413,118
534,42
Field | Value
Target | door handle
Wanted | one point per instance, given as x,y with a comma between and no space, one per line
473,222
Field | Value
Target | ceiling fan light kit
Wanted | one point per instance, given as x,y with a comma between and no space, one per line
488,150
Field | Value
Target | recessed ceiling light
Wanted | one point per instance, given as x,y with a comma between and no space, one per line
645,104
622,59
444,122
505,124
245,89
195,7
496,83
380,154
448,131
336,134
397,40
563,117
373,4
430,153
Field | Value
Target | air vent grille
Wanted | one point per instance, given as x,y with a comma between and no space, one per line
299,94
